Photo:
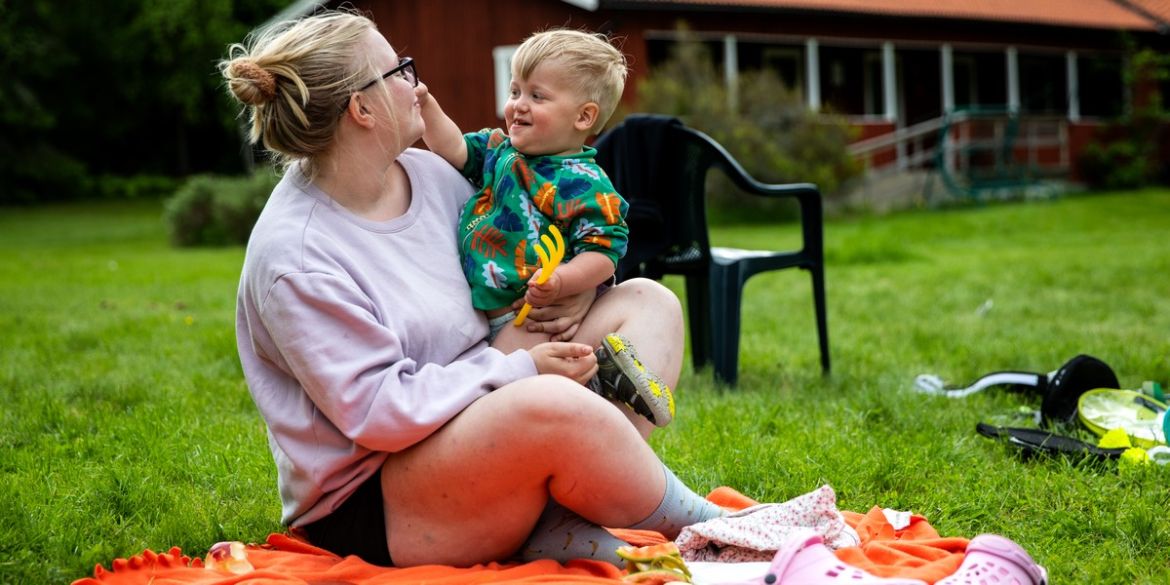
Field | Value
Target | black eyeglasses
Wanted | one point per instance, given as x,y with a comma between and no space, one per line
405,70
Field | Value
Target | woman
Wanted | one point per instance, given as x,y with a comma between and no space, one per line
398,433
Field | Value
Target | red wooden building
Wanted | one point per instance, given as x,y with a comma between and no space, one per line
894,67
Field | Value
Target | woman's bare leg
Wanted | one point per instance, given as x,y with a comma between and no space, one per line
645,312
473,491
649,315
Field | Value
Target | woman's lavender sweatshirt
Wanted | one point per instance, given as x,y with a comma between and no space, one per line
358,337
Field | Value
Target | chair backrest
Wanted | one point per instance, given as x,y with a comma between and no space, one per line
660,166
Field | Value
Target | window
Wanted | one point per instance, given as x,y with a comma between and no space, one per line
502,59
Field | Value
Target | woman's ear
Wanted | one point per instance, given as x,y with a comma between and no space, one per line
357,110
587,117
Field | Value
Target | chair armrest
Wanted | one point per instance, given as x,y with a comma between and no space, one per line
804,192
807,195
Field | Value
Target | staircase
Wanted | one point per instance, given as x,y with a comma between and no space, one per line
975,153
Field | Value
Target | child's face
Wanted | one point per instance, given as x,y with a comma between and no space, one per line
543,113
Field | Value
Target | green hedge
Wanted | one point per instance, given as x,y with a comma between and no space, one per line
214,210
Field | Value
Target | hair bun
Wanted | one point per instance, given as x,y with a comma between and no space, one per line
251,83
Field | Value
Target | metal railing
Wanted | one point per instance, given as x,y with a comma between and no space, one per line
973,149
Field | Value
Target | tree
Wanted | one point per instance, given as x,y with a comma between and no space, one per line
100,91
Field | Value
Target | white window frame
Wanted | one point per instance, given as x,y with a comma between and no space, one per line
502,64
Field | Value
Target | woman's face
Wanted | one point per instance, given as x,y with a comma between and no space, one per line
403,110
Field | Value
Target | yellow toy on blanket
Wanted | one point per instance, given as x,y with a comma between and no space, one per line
654,564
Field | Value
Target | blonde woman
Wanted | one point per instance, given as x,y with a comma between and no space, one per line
398,433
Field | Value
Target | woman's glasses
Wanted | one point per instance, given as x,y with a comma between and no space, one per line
405,70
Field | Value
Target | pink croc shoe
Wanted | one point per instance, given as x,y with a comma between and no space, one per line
807,561
994,560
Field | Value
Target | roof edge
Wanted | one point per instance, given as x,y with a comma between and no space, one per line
590,5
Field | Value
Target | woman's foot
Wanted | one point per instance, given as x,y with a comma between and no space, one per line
622,377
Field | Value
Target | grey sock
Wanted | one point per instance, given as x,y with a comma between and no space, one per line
680,507
562,535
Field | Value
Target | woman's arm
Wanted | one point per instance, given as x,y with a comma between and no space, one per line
324,332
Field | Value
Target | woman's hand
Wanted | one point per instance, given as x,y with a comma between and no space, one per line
575,361
561,319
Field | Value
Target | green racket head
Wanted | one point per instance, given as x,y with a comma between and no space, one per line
1142,417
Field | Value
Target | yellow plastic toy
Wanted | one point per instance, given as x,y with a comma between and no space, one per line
550,256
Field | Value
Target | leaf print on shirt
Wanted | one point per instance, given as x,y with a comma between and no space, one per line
505,185
483,202
586,228
532,218
568,209
544,167
544,198
487,240
524,270
523,174
489,159
577,167
507,221
496,138
573,188
587,232
611,207
493,275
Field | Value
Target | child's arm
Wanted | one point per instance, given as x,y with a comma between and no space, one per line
442,135
585,271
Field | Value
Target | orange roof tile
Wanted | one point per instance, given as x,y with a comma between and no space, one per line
1108,14
1159,9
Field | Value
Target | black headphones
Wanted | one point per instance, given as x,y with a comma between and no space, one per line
1059,389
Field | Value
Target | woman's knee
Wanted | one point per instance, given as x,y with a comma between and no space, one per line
652,295
556,404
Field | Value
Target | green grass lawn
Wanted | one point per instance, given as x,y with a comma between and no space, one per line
126,423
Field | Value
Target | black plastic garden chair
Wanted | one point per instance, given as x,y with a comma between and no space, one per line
660,166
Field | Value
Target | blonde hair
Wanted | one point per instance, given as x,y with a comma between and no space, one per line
295,78
594,67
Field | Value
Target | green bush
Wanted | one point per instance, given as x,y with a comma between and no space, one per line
1119,164
217,211
765,126
1128,152
132,187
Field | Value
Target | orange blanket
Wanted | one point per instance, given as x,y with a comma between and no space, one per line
916,551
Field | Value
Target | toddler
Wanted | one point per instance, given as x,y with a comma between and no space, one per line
565,86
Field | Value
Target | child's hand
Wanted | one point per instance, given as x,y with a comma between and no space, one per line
424,95
543,294
575,361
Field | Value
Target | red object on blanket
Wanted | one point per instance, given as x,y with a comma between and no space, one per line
915,551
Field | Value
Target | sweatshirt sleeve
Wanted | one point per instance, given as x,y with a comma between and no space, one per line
356,373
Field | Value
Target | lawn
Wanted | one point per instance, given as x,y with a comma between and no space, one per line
126,423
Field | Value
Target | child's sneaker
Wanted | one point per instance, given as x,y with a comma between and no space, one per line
621,377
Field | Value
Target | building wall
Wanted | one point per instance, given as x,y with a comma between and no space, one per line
452,39
452,42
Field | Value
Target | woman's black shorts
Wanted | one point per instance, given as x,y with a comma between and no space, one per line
357,527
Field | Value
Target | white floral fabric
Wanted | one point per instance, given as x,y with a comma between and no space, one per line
756,533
